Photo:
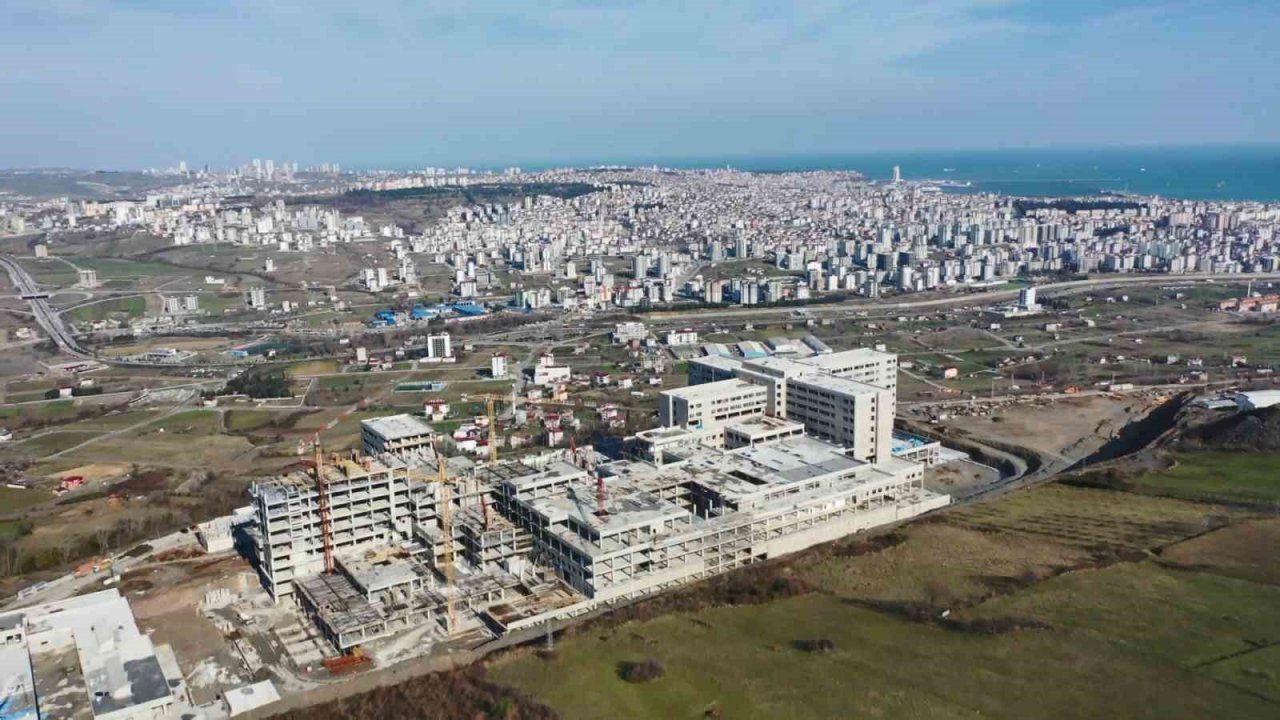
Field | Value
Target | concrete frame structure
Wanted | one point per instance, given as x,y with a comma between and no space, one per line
369,505
758,431
394,434
709,512
711,406
529,541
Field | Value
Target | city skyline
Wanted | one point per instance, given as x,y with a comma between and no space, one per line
127,85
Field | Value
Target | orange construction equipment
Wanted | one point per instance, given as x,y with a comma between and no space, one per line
322,493
341,664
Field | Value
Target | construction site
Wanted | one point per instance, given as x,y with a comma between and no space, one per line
372,546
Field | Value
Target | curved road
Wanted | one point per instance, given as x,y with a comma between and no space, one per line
48,319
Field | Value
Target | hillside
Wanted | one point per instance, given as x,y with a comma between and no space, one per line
1250,431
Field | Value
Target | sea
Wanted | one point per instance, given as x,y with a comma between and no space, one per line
1195,173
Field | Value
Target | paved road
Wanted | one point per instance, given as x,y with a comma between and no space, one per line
48,320
987,298
68,585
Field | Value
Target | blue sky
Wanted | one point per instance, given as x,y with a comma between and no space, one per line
406,83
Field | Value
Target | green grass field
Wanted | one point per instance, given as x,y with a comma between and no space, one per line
42,445
10,529
49,271
56,408
12,499
248,420
312,367
742,660
1187,619
1218,475
128,306
118,268
1194,635
1088,517
115,421
191,422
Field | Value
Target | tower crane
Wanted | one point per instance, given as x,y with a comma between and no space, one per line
443,501
322,497
490,411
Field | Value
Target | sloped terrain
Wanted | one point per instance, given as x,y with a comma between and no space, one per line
1249,431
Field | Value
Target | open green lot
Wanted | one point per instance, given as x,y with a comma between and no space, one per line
116,421
743,661
1088,517
56,408
312,367
1057,608
128,306
249,420
119,268
1187,619
12,499
10,529
1218,475
42,445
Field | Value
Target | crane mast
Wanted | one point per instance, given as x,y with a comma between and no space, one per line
443,501
322,496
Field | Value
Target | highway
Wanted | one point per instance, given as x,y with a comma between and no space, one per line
1066,287
45,316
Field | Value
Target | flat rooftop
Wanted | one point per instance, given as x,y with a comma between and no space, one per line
715,389
778,367
380,575
557,471
663,433
397,427
631,510
764,425
116,667
799,458
844,357
833,383
339,471
720,362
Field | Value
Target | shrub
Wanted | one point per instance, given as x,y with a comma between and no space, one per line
816,645
641,672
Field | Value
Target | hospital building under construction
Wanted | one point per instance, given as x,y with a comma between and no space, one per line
753,462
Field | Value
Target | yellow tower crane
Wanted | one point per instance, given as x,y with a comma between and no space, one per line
444,502
490,411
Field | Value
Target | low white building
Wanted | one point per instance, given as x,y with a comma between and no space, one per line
498,366
1256,399
548,374
249,698
682,337
625,332
86,658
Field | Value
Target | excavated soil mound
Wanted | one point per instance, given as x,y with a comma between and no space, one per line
1247,431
